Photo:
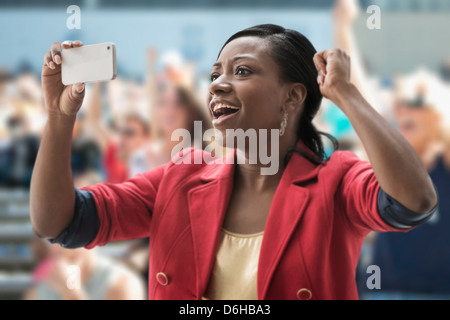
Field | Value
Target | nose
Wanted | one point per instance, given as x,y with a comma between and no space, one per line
220,86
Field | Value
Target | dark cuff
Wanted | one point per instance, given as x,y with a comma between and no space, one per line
397,215
85,223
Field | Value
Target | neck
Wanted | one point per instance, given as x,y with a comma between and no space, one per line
252,176
249,176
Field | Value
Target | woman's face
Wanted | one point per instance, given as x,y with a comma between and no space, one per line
171,114
418,125
246,80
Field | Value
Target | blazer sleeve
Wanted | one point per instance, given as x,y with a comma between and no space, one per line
367,206
125,210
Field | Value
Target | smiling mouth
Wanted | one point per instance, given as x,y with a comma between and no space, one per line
222,110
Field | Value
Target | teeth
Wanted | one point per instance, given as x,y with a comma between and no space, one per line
221,106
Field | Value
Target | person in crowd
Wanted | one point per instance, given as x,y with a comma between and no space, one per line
6,103
173,105
22,151
178,108
20,119
86,154
121,144
412,264
63,274
123,156
5,113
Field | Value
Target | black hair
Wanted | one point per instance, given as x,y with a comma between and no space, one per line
294,54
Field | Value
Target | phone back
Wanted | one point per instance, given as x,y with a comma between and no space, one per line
90,63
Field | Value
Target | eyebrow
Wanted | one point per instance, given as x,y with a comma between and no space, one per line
244,56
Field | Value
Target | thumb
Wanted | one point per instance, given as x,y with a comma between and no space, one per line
78,89
73,99
77,93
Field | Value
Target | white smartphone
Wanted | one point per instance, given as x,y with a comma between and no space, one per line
90,63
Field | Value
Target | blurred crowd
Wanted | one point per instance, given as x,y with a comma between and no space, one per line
125,126
412,265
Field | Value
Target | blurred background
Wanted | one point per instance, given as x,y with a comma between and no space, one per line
165,49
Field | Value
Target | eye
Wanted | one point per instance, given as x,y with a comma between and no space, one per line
214,76
242,71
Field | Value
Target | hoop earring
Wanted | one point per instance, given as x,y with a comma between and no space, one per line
283,123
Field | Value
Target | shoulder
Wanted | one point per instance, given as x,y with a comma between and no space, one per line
343,164
123,284
191,161
344,160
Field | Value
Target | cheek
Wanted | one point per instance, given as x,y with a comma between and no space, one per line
261,105
397,114
122,143
180,115
421,120
161,113
208,99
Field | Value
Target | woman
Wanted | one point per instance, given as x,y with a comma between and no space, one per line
97,277
176,107
296,234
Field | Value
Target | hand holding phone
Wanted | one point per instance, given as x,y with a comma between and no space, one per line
62,97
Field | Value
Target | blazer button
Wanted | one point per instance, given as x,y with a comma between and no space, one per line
162,278
304,294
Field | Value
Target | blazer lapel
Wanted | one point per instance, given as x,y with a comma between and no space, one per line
288,206
207,207
209,201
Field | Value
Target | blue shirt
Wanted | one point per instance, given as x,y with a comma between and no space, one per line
419,261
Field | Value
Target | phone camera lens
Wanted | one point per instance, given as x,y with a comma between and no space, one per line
108,47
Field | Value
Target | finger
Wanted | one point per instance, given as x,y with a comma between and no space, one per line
56,52
48,60
327,53
320,59
77,43
67,44
320,62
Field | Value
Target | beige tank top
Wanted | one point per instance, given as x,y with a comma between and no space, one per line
234,274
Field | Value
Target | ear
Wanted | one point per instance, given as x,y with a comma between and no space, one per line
296,96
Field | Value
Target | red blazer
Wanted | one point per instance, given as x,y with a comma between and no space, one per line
319,217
